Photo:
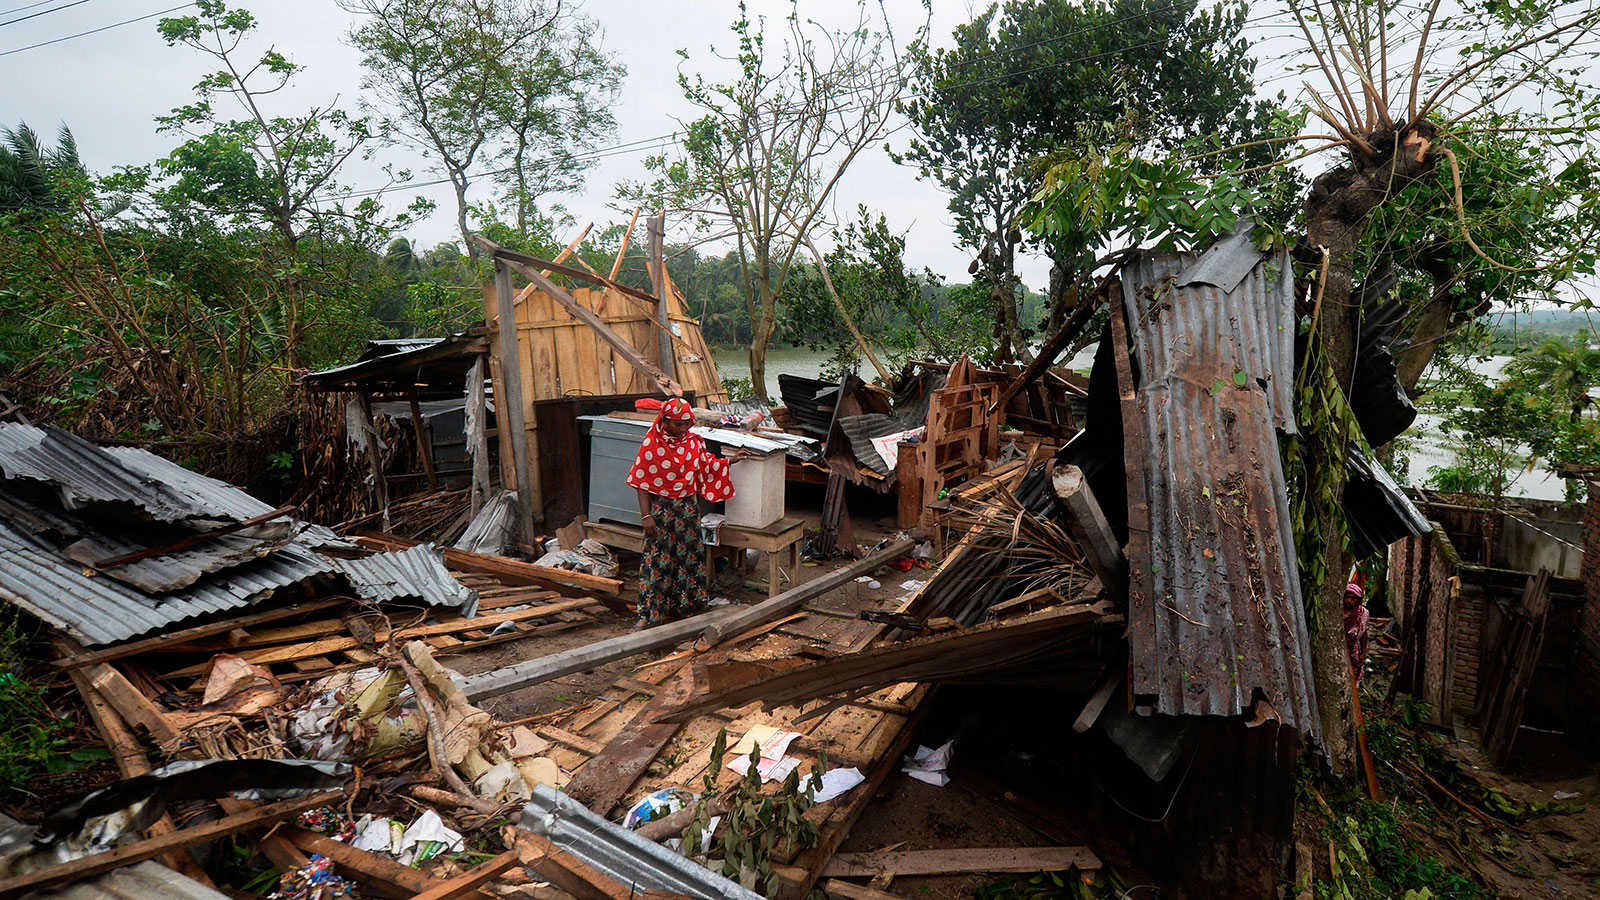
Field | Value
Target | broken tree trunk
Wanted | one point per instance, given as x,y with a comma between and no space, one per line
1336,214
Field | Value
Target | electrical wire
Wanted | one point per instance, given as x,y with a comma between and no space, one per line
7,12
42,12
80,34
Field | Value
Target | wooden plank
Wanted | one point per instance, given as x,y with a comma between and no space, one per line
175,640
133,706
844,890
378,874
193,540
131,762
605,780
96,863
477,438
468,882
509,571
509,409
568,739
268,655
571,874
710,626
581,313
424,436
954,862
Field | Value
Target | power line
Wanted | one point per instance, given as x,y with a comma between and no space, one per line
42,12
80,34
7,12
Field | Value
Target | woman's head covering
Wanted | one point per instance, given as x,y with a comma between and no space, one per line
1354,590
677,467
674,408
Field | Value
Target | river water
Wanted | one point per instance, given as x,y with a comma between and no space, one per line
1427,448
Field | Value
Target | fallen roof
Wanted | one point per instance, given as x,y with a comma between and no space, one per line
83,473
1215,612
433,368
54,549
99,610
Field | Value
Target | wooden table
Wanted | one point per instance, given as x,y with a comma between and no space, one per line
773,540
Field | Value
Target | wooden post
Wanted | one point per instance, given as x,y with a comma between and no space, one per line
1089,527
477,433
424,441
657,228
508,403
369,442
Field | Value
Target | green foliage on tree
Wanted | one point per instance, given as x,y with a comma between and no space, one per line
1030,78
34,176
520,83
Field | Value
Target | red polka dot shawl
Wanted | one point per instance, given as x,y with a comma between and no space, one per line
678,468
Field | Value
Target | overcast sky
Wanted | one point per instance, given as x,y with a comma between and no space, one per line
108,87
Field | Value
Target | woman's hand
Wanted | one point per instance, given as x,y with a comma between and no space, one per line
649,526
740,454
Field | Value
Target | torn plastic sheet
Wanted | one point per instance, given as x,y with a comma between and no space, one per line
95,821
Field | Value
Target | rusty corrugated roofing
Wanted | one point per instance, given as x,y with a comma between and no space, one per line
1215,612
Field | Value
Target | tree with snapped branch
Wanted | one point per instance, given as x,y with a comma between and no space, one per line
521,82
761,165
1412,136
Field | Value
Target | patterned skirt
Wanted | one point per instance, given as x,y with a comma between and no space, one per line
672,575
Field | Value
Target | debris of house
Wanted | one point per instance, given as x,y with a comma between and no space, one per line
1140,567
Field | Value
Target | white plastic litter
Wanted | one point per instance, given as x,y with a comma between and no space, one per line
372,835
928,765
504,782
1566,795
836,782
426,838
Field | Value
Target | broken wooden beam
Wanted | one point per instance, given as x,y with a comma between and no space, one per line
844,890
507,570
468,882
724,621
956,862
75,657
528,267
1089,527
149,848
798,596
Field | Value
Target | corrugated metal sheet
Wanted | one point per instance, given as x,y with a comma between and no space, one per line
863,428
416,572
220,499
1215,612
810,401
640,864
147,880
98,610
83,473
1376,509
172,571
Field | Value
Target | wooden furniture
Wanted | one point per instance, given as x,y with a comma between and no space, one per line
778,540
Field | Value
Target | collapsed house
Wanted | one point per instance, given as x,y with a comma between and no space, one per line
1127,549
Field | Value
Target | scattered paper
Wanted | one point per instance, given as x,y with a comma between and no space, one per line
836,782
928,765
769,770
774,742
372,835
426,838
910,584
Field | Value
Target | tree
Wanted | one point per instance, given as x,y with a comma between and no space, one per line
1035,77
861,287
762,163
469,80
1563,372
1395,126
276,171
31,174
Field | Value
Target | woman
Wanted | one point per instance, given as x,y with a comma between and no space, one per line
673,469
